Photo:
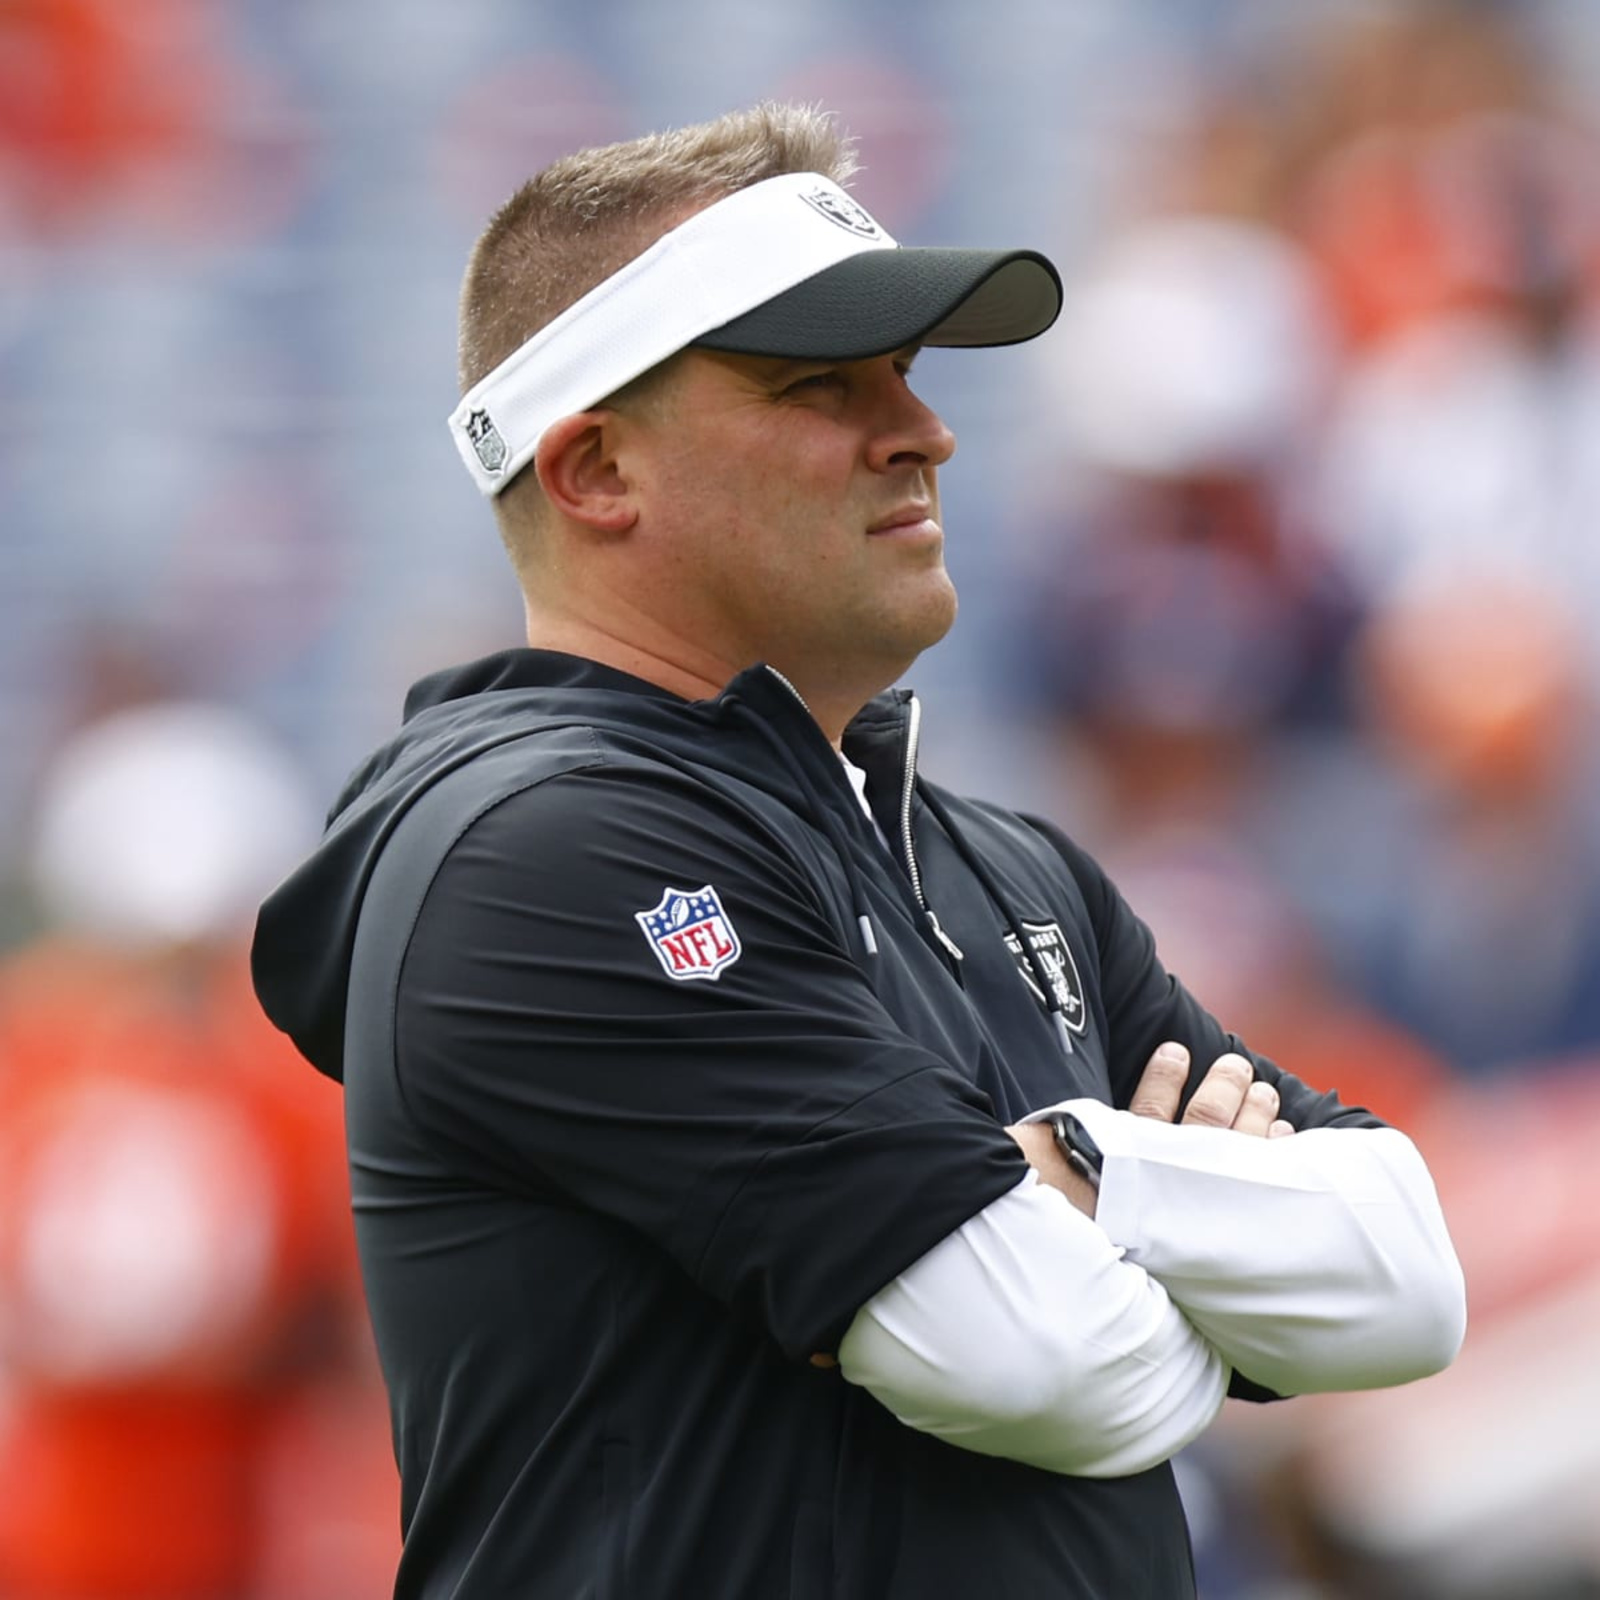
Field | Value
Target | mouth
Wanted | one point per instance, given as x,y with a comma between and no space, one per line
914,521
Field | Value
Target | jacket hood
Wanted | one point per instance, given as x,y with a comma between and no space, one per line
305,931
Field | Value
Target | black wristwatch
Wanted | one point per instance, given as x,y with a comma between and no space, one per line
1082,1154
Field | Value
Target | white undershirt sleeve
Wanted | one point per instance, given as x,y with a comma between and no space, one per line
1025,1334
1315,1262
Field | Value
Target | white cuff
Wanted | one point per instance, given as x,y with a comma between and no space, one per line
1024,1334
1314,1262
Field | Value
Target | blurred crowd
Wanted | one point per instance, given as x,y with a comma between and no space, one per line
1308,629
1288,621
1314,567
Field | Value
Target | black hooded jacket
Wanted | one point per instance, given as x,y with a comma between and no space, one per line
657,1065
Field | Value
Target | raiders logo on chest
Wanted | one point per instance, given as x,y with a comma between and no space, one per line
1054,960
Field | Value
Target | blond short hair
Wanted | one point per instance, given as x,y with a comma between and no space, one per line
569,227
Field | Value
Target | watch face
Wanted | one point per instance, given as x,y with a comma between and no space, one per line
1082,1153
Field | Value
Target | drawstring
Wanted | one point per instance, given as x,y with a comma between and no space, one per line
981,872
824,815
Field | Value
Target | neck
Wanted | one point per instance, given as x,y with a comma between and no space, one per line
619,635
690,673
689,680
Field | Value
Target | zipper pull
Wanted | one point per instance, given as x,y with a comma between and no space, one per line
952,949
1063,1032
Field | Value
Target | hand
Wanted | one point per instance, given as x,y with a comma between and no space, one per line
1229,1096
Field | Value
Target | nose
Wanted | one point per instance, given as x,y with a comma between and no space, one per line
910,432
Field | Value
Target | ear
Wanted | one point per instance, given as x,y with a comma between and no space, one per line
581,475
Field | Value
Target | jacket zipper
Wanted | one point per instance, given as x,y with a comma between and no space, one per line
908,780
907,844
790,687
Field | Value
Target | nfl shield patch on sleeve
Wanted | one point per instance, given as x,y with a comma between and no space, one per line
690,933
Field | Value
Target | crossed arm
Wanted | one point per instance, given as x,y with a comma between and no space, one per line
1095,1332
1230,1096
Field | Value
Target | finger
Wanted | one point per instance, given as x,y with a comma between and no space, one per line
1160,1087
1257,1111
1280,1129
1220,1097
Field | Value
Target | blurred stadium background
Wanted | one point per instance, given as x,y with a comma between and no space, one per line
1279,562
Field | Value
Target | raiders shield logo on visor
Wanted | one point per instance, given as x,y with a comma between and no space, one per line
840,208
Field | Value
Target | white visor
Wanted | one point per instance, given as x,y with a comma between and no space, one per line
729,278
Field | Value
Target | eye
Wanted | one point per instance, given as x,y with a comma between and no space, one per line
814,382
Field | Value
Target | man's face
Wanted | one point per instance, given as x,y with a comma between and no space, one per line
791,511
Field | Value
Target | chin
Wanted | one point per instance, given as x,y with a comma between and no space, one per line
916,638
939,618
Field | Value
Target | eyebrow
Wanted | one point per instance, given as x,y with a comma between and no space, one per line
776,368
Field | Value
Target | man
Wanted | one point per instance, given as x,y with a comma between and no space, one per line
690,1038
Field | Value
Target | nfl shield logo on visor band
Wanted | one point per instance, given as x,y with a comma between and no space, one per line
791,266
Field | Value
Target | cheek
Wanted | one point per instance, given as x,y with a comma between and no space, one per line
775,519
773,506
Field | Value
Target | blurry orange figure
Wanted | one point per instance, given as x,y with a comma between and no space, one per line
179,1300
117,116
174,1252
1441,173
